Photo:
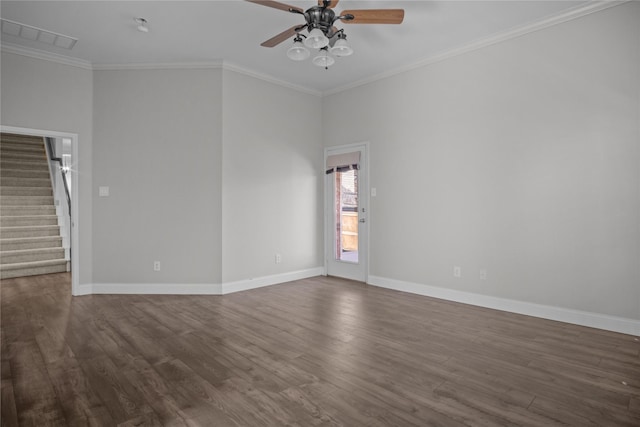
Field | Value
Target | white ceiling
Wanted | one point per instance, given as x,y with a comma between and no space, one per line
209,31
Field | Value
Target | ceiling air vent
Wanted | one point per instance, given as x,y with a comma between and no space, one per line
28,32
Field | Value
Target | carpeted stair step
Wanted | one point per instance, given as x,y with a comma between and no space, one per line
23,232
22,139
25,182
24,173
24,165
8,271
26,201
30,243
27,157
30,255
7,142
19,147
7,211
25,191
28,221
38,142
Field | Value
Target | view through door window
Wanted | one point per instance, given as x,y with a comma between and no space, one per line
346,215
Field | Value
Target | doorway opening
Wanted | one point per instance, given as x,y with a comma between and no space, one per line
41,202
346,211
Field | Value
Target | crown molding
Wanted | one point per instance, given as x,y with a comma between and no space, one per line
87,65
515,32
577,12
239,69
216,64
46,56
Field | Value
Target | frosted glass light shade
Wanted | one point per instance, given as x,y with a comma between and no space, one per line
316,39
341,48
323,60
298,52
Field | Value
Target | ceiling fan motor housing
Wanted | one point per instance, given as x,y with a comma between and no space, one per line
320,17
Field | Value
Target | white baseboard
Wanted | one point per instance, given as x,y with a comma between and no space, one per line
158,288
197,288
583,318
84,289
243,285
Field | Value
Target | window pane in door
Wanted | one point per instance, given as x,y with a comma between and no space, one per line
346,216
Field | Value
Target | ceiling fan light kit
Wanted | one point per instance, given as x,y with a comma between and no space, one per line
323,59
298,52
341,47
316,39
322,34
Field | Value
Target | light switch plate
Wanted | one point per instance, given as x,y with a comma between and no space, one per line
103,191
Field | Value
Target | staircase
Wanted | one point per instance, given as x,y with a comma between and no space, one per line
30,241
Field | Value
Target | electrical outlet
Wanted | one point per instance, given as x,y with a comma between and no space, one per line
457,271
278,258
156,265
103,191
483,274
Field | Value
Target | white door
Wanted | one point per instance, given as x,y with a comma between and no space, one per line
346,212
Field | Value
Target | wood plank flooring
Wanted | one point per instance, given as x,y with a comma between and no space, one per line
322,351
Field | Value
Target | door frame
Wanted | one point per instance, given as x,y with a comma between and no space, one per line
363,202
75,241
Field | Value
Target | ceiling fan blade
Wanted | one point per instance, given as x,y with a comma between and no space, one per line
331,5
276,40
277,5
374,16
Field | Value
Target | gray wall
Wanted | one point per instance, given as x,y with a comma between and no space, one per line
521,158
210,175
49,96
272,179
158,140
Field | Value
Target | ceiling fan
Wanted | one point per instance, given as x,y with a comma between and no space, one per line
321,32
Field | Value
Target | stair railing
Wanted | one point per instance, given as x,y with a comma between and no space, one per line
52,156
51,151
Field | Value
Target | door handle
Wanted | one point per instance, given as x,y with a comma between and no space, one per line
362,220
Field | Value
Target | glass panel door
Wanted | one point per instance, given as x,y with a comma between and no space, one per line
346,210
346,215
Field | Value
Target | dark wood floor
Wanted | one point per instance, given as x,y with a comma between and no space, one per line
322,351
